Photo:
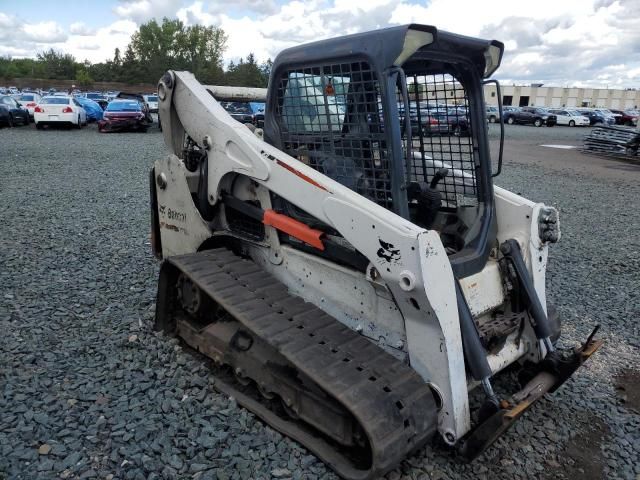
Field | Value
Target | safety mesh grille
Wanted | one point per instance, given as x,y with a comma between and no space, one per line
330,118
441,136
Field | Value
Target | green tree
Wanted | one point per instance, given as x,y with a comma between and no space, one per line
200,47
83,78
117,60
132,70
153,49
57,65
265,70
247,73
172,45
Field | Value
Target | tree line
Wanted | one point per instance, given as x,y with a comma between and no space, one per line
153,49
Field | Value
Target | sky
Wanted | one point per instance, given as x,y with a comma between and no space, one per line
581,43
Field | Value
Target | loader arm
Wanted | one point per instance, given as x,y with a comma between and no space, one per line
410,260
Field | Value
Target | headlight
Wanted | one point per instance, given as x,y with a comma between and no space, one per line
548,225
544,117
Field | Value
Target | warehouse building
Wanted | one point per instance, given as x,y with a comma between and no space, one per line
536,95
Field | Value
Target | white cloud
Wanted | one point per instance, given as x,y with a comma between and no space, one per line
21,38
6,21
294,23
470,17
101,45
43,32
557,42
80,28
142,10
195,13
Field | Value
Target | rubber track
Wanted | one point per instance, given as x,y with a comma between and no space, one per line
392,403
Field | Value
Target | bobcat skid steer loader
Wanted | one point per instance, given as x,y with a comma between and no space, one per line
352,270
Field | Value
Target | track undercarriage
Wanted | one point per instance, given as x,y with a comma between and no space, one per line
352,404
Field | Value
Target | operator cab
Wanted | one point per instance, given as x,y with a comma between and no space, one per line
398,116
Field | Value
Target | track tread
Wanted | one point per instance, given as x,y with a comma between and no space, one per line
265,307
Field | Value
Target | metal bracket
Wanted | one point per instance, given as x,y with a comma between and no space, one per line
551,376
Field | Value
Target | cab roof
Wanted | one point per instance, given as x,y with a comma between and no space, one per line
393,46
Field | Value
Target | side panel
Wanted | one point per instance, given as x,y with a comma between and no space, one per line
518,218
349,296
483,290
182,229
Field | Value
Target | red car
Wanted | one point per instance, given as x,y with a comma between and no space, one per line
624,118
122,115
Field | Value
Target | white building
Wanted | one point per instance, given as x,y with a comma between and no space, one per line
539,96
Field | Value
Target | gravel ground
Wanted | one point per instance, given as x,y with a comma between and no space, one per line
88,390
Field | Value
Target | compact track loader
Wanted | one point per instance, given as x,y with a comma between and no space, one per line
352,270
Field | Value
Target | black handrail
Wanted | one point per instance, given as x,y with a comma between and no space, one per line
499,94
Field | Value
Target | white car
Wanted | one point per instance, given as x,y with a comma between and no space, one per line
59,110
29,101
152,102
572,118
493,114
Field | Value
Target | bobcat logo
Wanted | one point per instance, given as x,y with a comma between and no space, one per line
388,252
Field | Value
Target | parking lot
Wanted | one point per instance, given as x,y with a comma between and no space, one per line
88,390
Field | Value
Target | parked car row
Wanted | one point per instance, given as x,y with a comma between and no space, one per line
572,117
127,111
100,97
430,119
245,112
532,116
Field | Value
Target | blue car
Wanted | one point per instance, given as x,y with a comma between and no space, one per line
93,109
596,118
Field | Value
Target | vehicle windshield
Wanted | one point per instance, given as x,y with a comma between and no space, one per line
237,107
55,100
257,107
152,98
128,106
26,98
574,113
93,95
